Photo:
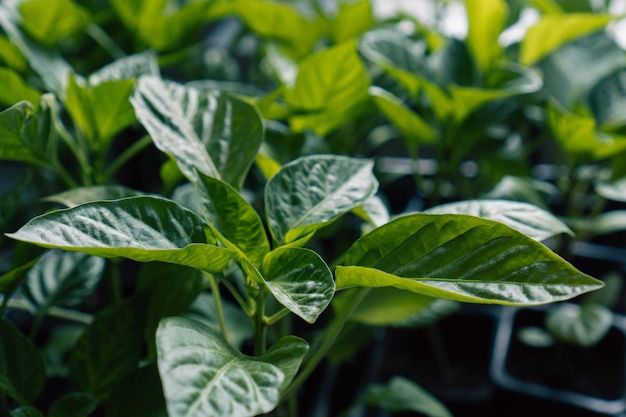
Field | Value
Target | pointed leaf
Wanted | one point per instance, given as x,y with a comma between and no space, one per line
554,30
211,132
313,191
61,279
487,20
300,280
204,376
462,258
401,395
141,228
226,210
531,220
109,348
582,325
21,367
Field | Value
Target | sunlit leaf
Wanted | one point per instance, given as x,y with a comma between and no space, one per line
49,21
15,89
353,19
487,19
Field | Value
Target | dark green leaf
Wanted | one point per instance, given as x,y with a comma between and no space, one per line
607,100
313,191
287,354
110,347
211,132
26,411
139,228
300,281
22,372
581,325
401,394
146,399
76,404
462,258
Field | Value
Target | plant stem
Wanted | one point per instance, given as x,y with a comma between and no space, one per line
276,317
116,282
330,336
128,154
105,41
240,300
62,313
215,288
260,328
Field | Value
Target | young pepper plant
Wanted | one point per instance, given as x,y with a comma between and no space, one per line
270,275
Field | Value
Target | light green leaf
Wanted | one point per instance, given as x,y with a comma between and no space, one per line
577,135
109,347
49,21
61,279
129,67
211,132
582,325
330,89
26,411
15,89
22,372
233,217
203,375
607,100
353,19
81,195
311,192
613,190
373,211
300,280
401,395
141,228
76,404
487,20
531,220
413,128
554,30
11,56
462,258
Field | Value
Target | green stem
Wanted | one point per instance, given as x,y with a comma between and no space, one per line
215,288
330,335
276,317
127,155
116,282
65,176
260,328
240,300
59,312
105,41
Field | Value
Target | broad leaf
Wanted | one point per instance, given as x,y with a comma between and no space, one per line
352,19
313,191
581,325
22,370
300,280
462,258
61,279
542,38
15,89
129,67
109,348
373,211
401,395
233,217
76,404
81,195
204,376
49,21
330,89
531,220
524,189
141,228
211,132
487,19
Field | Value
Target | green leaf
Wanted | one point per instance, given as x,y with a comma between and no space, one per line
300,280
141,228
211,132
311,192
582,325
129,67
353,19
49,21
61,279
76,404
22,373
147,399
577,135
462,258
604,223
287,354
401,395
373,211
613,190
233,217
109,348
15,89
203,375
413,128
26,411
524,189
81,195
11,56
12,279
531,220
554,30
607,100
330,89
487,20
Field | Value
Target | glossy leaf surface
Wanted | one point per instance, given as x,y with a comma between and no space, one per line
207,131
204,376
139,228
531,220
311,192
300,280
463,258
22,370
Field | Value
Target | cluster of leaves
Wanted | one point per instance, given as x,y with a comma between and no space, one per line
196,211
